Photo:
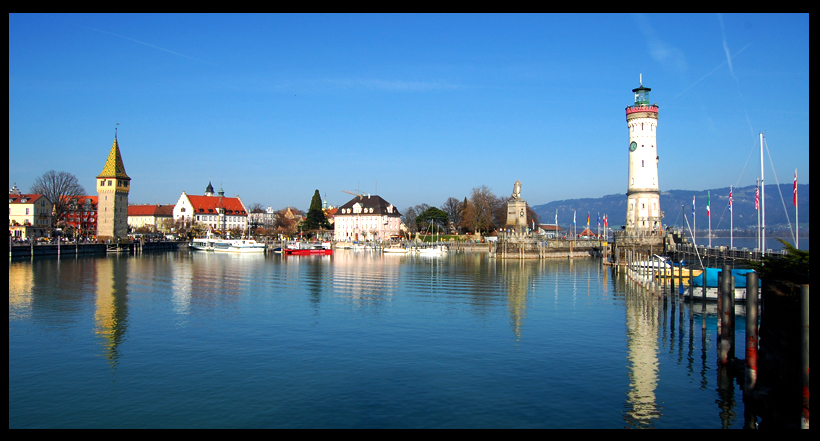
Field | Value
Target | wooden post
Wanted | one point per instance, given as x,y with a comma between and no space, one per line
804,359
751,331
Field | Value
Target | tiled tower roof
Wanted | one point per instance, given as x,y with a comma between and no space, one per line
114,168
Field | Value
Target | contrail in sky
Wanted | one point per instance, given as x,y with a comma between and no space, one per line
139,42
728,61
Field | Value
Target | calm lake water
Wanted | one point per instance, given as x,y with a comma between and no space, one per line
187,339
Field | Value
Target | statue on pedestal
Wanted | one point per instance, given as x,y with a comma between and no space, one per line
516,194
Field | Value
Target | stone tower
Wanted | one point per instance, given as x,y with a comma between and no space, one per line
643,211
113,185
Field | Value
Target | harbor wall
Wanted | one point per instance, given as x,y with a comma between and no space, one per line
16,251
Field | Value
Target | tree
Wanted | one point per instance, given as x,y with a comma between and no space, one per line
432,217
484,204
57,187
409,219
453,209
315,218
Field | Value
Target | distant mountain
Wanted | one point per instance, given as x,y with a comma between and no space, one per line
745,216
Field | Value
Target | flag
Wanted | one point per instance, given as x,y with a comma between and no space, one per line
587,219
708,203
795,187
693,207
730,198
757,198
573,217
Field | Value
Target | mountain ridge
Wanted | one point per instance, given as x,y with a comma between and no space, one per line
745,215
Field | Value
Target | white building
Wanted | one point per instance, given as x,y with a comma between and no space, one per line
643,212
216,212
366,218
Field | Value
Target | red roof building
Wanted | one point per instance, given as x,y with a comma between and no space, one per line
151,216
216,212
81,214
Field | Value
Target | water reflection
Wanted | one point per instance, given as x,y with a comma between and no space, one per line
642,327
111,305
473,326
21,284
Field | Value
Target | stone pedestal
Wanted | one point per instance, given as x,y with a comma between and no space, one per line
517,216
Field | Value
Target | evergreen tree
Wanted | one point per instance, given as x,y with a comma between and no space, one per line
315,218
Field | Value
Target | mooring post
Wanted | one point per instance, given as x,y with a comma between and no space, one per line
680,278
671,278
751,331
723,311
731,298
804,343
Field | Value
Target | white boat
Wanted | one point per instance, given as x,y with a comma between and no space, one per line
239,246
395,249
434,250
203,244
655,264
206,243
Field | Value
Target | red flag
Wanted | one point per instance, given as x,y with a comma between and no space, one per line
730,198
757,199
795,187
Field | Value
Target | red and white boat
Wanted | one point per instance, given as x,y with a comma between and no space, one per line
310,249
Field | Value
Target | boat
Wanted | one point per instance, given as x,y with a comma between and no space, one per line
309,249
395,249
433,250
206,243
677,272
203,244
712,284
645,267
239,246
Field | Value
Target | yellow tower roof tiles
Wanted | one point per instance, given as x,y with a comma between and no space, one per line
114,168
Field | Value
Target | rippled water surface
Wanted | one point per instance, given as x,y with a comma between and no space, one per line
353,340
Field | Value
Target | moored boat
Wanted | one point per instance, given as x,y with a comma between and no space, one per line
309,248
239,246
395,249
712,290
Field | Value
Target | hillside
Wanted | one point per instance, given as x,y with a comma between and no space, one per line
745,216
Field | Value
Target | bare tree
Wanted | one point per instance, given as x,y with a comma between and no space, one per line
484,204
452,207
56,186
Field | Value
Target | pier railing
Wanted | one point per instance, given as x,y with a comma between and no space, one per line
726,253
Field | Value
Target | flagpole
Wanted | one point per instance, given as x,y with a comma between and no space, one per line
796,225
731,221
762,203
709,214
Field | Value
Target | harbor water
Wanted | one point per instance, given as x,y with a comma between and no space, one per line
355,340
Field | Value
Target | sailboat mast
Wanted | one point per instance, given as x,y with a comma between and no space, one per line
762,203
757,208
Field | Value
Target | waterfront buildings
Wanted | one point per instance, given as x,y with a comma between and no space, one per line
151,216
366,217
81,215
113,186
214,211
29,215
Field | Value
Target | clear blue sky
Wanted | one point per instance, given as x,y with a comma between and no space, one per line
272,107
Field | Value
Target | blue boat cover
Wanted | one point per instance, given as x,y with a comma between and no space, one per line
712,277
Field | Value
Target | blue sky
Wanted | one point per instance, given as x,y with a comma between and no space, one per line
272,107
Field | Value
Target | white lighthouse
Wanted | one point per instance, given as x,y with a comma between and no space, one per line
643,212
